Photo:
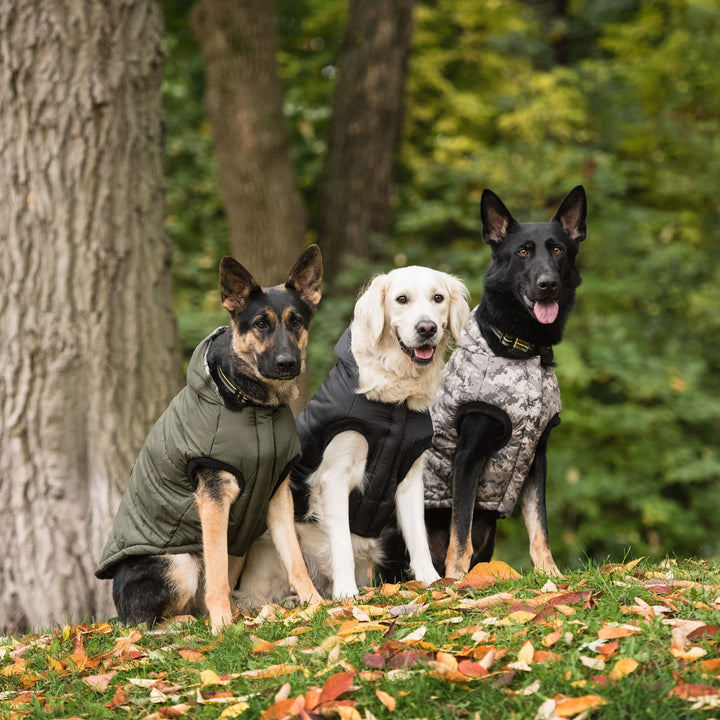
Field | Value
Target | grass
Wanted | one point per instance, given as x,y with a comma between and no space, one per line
634,640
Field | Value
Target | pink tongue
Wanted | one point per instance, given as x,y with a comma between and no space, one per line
424,353
546,312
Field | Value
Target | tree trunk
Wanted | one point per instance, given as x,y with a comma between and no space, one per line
244,101
89,353
355,191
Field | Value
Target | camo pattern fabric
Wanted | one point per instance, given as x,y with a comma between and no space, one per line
521,392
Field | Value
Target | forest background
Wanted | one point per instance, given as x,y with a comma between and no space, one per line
144,139
528,99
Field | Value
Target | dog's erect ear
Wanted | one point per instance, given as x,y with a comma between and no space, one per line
572,213
459,308
236,284
370,310
497,221
306,276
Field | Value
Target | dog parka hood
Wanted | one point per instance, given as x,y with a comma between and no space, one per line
523,394
396,437
158,514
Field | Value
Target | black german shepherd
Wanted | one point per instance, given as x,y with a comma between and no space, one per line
213,471
499,399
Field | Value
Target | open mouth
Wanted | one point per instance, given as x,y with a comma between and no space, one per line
545,311
421,355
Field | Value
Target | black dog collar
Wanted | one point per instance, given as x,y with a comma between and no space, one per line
240,397
516,343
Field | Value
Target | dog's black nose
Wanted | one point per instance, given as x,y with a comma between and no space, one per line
286,362
426,328
547,282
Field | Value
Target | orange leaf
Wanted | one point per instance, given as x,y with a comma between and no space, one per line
174,711
488,573
608,649
335,686
551,638
386,699
623,667
472,669
280,709
191,655
711,666
119,698
688,691
545,656
568,707
610,632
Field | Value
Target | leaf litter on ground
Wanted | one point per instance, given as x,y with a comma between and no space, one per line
498,644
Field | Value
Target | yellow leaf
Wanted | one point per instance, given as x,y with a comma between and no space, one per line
272,671
527,651
386,699
234,710
520,617
348,713
623,667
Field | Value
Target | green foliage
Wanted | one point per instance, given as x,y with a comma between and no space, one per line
621,96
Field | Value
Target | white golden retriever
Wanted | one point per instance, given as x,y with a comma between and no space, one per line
364,434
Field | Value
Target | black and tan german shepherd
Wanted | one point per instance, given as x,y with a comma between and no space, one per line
246,372
528,294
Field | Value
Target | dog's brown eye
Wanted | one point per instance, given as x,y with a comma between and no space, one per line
296,323
557,250
402,299
261,324
438,298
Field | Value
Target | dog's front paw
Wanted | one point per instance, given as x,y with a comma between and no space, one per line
428,576
344,590
455,572
220,621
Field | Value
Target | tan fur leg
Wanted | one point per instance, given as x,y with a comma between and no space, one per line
217,490
236,563
541,555
281,523
457,559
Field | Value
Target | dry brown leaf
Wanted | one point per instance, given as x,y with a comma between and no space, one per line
191,655
99,682
272,671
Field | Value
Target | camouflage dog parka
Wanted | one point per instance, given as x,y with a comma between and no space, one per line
522,394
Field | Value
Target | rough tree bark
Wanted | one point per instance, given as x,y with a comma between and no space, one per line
356,186
243,98
89,353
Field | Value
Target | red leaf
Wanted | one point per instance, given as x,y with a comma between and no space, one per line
374,661
472,669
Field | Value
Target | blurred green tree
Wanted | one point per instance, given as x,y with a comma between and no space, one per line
529,99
